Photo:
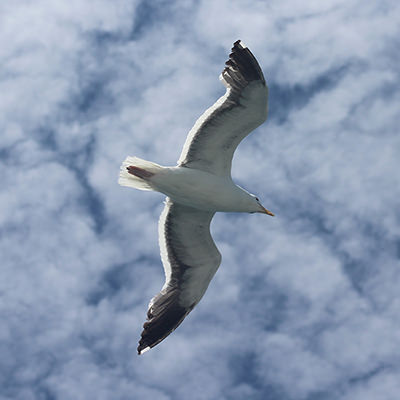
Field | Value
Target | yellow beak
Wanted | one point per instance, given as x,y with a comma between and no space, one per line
267,212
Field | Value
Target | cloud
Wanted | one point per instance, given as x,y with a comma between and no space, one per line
304,305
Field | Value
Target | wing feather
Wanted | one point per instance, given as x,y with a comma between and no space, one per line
190,260
216,134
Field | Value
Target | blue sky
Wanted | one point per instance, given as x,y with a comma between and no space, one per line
304,306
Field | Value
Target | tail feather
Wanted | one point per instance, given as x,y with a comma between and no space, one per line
140,180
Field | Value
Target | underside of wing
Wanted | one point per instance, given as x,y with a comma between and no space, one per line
216,134
190,260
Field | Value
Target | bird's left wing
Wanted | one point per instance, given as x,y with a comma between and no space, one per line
214,137
190,260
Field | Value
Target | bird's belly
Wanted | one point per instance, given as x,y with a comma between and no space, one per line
196,188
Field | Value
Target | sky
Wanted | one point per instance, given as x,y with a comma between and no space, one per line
305,306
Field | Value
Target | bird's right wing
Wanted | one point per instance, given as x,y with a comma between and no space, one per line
214,137
190,260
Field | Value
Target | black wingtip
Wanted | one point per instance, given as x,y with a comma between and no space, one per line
142,348
242,63
238,45
163,317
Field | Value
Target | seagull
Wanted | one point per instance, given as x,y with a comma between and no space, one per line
198,187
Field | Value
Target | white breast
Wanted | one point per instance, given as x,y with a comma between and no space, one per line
199,189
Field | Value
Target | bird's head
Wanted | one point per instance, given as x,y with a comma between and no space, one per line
259,208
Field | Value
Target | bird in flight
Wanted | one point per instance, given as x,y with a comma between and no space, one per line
198,187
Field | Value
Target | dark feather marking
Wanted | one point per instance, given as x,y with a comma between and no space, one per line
164,316
139,172
211,120
246,62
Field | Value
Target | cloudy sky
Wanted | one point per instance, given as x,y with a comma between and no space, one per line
305,305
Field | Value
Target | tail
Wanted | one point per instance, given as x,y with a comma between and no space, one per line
137,173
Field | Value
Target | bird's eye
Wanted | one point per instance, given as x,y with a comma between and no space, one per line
257,199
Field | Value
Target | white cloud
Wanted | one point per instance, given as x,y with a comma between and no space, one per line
297,370
304,304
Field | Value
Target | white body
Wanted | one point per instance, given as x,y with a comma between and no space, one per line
201,190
